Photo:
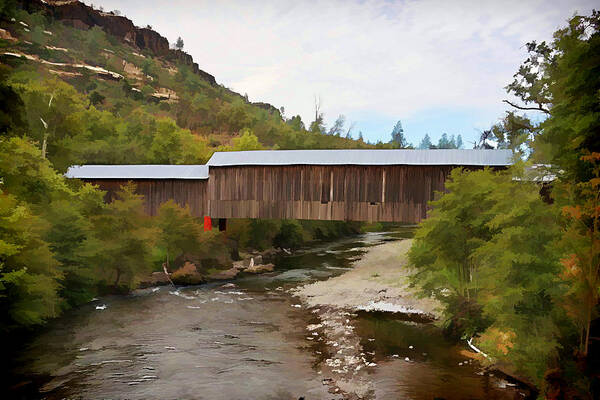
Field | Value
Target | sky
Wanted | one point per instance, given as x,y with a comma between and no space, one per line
438,66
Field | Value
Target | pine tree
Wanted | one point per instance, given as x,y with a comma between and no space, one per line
179,43
425,143
459,142
398,139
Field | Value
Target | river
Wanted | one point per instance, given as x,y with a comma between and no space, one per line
246,339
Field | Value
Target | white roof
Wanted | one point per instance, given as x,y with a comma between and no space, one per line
473,157
138,172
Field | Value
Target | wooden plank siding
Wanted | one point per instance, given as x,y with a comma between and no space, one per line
394,193
185,192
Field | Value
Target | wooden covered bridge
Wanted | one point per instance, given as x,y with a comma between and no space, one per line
354,185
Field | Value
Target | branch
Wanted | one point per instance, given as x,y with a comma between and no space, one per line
538,108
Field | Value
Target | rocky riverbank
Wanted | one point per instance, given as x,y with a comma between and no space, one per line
378,282
190,274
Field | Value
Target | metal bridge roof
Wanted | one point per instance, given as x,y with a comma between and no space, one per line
473,157
138,172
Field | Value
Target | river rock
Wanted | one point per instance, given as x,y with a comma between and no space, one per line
157,278
258,268
187,275
226,274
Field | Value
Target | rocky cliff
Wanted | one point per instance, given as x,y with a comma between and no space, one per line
81,16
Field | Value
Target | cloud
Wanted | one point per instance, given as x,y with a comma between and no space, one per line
371,57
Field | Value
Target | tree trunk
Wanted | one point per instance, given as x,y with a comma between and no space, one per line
44,143
118,277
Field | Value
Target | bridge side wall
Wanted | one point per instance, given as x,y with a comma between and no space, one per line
190,192
345,192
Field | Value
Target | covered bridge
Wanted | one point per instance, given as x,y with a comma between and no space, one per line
185,184
357,185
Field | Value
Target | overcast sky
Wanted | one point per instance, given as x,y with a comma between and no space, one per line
438,66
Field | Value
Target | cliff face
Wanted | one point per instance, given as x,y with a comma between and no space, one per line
81,16
184,58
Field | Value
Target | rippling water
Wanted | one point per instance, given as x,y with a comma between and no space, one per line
242,340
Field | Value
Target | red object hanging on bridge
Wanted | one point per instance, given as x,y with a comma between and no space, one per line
207,224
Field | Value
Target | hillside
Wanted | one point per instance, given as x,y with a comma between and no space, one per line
98,89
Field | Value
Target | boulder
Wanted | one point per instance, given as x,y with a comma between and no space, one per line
259,268
223,275
187,275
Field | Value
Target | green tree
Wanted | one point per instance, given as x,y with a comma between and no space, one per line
178,231
444,247
246,141
120,245
28,271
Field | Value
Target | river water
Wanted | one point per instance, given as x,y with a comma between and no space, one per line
246,339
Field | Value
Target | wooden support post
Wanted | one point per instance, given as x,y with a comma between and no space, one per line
222,224
383,188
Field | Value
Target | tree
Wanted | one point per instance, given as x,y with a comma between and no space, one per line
28,271
296,123
514,131
519,285
318,126
246,141
581,246
490,260
179,43
459,142
398,139
178,231
445,142
425,143
444,246
96,98
338,126
120,246
560,80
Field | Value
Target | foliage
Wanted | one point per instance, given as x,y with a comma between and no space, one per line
246,141
534,267
28,272
178,231
483,255
580,245
120,246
